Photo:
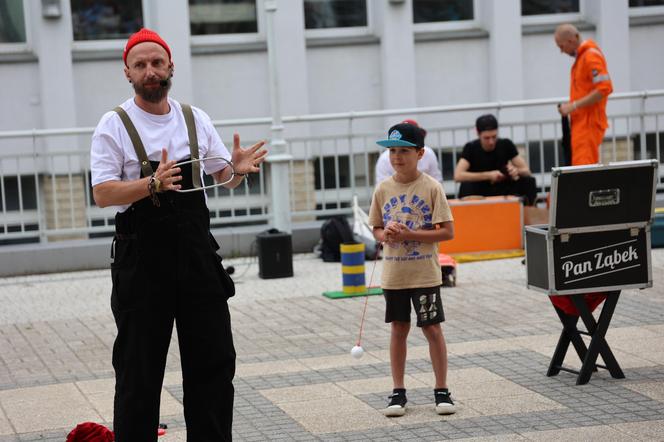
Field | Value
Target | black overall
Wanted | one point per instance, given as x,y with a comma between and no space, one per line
166,269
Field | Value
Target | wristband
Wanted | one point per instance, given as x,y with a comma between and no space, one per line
574,105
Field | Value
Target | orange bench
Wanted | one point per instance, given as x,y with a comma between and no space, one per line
487,224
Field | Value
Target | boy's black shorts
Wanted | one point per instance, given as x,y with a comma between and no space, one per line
426,302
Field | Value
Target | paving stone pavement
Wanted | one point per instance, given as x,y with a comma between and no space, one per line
296,380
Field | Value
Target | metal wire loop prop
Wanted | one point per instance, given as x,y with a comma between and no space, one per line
211,186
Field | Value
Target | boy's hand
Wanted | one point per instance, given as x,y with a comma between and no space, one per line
395,232
388,232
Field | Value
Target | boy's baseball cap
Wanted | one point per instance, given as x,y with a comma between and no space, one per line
142,36
404,135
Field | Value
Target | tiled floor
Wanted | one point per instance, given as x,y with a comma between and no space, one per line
296,380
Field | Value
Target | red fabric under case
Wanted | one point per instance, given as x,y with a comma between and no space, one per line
565,303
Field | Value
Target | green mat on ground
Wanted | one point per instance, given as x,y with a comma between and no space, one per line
341,294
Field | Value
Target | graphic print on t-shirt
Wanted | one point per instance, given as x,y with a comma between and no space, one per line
415,214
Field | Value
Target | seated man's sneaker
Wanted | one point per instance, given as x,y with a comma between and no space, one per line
444,404
397,405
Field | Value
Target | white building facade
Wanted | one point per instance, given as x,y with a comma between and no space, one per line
61,68
342,55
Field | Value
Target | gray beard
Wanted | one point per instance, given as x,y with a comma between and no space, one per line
152,95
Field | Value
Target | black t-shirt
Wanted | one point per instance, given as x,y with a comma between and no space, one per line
483,161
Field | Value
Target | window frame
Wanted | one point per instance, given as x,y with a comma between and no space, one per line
564,17
353,31
456,25
108,44
21,47
646,11
230,39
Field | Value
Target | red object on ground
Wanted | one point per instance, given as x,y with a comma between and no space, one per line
161,432
90,432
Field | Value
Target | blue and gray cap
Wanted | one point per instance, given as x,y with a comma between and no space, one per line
403,135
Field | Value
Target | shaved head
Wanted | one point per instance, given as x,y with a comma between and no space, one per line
567,38
566,30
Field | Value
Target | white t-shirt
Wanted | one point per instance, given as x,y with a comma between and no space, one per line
427,164
113,158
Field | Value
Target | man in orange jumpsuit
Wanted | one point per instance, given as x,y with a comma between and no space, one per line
590,86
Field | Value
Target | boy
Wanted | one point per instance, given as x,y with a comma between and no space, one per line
409,214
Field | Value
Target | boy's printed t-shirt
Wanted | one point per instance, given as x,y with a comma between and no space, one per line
420,204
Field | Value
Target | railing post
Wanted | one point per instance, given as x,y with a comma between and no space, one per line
642,117
351,153
279,159
41,218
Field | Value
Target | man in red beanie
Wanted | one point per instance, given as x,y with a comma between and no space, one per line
165,267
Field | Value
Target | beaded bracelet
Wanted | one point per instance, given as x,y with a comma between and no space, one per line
154,185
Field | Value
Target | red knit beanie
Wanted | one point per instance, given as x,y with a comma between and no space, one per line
143,35
90,432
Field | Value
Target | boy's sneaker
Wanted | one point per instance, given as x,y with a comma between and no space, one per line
397,405
444,403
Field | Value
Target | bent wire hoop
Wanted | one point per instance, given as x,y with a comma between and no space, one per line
211,186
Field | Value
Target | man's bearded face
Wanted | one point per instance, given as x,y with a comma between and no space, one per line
151,89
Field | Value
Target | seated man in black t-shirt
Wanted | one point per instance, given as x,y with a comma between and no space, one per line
491,166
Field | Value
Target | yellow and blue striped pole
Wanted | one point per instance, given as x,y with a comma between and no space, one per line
352,268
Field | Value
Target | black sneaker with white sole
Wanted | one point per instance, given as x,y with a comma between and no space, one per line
397,405
444,403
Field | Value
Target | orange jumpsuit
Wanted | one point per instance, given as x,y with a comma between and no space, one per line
589,123
588,126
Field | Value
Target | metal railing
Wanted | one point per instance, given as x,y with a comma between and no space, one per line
45,192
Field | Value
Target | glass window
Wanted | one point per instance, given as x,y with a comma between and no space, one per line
426,11
640,3
222,17
12,21
539,7
320,14
105,19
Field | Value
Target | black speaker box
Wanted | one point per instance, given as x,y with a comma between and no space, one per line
275,254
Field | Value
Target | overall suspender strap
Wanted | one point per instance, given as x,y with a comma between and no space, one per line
136,141
193,145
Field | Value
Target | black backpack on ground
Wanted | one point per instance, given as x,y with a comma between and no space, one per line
334,232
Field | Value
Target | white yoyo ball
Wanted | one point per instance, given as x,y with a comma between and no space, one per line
357,352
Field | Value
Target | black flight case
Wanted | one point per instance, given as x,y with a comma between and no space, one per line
597,240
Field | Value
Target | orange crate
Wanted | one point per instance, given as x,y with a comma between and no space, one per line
483,225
